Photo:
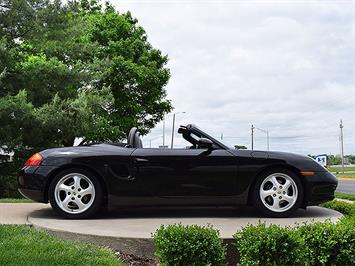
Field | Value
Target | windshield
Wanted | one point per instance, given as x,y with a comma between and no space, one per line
196,133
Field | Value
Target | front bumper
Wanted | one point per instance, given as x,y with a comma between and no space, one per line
32,182
320,188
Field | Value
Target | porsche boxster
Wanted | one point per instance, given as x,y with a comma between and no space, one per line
79,181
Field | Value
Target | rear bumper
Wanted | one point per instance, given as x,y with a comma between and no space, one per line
35,195
320,188
32,182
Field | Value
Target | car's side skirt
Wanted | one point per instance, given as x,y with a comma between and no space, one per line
177,201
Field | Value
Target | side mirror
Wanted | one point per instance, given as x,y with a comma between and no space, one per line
205,143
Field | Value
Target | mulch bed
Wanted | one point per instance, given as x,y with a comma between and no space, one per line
132,260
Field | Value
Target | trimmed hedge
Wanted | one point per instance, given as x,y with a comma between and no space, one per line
329,244
273,245
320,243
189,245
346,208
346,240
309,244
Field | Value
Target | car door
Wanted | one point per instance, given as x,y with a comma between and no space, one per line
185,173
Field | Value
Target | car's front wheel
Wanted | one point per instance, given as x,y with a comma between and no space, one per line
75,193
278,193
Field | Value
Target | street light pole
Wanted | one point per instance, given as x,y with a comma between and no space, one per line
267,136
252,137
172,133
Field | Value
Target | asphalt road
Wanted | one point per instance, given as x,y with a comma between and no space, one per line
346,186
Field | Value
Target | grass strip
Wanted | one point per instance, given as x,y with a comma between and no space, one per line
22,245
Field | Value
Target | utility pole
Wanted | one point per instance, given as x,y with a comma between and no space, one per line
221,136
172,133
342,144
252,136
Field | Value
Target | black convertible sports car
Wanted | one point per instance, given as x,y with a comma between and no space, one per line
78,181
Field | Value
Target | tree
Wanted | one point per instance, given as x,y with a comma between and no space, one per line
55,55
72,69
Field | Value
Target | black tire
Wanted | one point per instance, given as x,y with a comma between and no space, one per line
96,203
258,202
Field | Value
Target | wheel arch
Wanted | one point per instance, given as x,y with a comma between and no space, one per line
77,166
280,166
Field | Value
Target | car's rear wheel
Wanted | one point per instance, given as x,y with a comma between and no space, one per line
278,193
76,193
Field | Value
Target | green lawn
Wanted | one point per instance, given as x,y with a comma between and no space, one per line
22,245
346,196
349,175
340,169
8,200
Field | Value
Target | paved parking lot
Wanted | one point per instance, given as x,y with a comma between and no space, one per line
346,186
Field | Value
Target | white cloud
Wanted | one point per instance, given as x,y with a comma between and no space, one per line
286,66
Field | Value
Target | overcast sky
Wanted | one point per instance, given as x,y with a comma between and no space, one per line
285,66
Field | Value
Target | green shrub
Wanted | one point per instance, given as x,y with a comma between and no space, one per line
8,179
327,243
345,237
320,241
8,187
345,208
348,220
273,245
188,245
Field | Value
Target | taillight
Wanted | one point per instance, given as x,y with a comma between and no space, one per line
34,160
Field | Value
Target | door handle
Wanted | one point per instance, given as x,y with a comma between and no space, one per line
141,160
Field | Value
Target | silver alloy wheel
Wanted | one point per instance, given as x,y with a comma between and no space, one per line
74,193
278,192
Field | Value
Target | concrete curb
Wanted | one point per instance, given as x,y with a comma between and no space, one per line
129,230
130,233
